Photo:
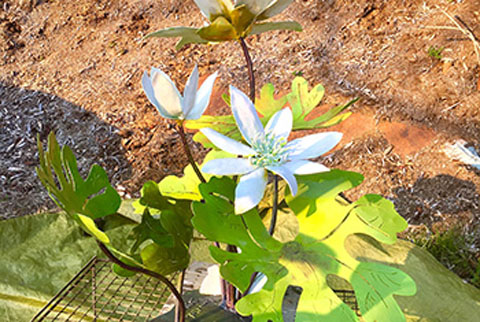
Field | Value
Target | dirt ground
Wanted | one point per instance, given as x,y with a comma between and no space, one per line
75,67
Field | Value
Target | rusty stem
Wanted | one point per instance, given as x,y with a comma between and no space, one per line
251,75
183,137
163,279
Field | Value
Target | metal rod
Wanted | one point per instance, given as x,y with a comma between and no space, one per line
180,302
94,291
181,131
223,283
57,298
251,75
275,206
181,279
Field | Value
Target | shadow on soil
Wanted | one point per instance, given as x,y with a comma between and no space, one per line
437,199
24,114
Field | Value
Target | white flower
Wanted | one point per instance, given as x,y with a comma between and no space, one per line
164,95
268,150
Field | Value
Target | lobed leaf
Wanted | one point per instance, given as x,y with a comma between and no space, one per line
92,198
266,104
317,250
167,235
303,102
169,231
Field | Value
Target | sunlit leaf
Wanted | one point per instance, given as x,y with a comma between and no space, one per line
303,102
89,225
316,251
186,187
224,124
266,104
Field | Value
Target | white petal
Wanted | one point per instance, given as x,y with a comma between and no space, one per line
256,6
148,89
246,116
258,283
202,98
275,8
305,167
166,93
228,167
287,175
314,145
213,7
250,190
211,284
225,143
280,124
190,91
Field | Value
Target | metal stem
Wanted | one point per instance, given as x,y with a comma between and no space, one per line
275,205
181,279
250,68
271,230
183,137
171,287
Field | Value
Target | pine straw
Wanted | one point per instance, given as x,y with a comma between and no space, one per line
25,113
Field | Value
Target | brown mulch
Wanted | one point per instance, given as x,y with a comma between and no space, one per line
75,67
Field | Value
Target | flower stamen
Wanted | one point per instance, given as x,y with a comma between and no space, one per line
270,151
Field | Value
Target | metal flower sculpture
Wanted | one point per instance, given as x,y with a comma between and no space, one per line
164,95
268,150
231,21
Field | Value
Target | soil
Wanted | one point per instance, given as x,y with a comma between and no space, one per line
74,67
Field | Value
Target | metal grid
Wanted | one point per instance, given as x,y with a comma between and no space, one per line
348,297
96,293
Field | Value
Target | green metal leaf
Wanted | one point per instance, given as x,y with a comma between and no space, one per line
186,187
89,226
318,188
301,99
259,28
169,235
266,104
166,260
380,216
317,251
150,229
188,35
303,102
224,124
163,238
93,198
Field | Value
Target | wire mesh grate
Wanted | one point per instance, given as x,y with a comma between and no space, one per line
96,293
348,297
